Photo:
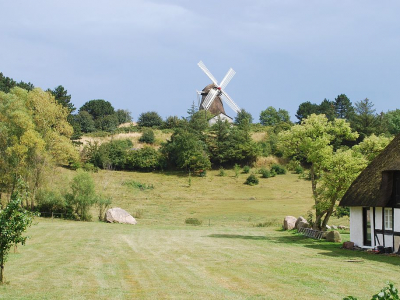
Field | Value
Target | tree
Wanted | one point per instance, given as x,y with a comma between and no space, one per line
272,117
106,123
343,107
312,142
83,195
85,121
371,146
123,116
306,109
62,97
364,120
150,119
98,108
327,108
14,220
241,115
392,118
7,83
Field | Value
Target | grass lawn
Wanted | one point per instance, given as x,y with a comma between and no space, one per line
161,258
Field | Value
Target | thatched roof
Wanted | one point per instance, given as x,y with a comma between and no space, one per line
216,107
374,185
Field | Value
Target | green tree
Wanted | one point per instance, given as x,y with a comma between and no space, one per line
106,123
98,108
241,115
371,146
83,195
313,142
85,121
147,137
62,97
7,83
306,109
272,117
343,107
150,119
123,116
327,108
392,118
14,220
364,120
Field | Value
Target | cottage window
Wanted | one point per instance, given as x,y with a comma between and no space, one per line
388,218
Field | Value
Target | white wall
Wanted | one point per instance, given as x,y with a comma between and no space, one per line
356,232
396,220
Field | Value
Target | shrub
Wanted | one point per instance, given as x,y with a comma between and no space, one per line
138,185
145,159
193,221
299,170
150,119
278,169
246,169
102,203
387,293
221,172
272,173
50,201
265,173
147,137
236,168
252,180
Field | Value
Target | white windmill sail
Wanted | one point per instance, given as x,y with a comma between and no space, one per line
219,89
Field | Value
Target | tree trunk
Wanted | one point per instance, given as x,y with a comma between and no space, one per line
2,271
327,216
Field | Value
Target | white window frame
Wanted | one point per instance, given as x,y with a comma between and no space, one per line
388,218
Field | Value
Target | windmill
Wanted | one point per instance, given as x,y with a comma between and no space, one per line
212,93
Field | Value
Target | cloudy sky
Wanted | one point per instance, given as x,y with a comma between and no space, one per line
142,55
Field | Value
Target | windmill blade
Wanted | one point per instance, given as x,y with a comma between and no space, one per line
208,73
227,78
230,102
210,98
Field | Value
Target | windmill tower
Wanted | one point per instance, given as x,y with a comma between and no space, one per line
212,93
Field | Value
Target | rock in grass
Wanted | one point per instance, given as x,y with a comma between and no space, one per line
300,223
333,236
118,215
289,223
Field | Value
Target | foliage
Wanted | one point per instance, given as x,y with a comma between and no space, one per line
278,169
393,121
62,97
147,136
236,168
85,121
272,117
246,169
364,120
331,171
145,159
305,110
98,108
242,115
102,204
50,201
343,107
106,122
149,119
7,83
14,221
222,172
173,122
83,195
252,180
265,173
371,146
123,116
389,292
138,185
193,221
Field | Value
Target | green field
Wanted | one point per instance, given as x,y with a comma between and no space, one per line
227,257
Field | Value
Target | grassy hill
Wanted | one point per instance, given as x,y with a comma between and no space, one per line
227,257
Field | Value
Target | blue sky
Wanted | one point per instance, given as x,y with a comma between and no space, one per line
142,55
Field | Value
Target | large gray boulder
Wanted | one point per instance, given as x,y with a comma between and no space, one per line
301,222
118,215
333,236
289,223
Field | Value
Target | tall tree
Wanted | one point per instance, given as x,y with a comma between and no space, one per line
313,142
150,119
364,120
327,108
123,116
343,107
271,117
14,220
306,109
241,115
98,108
392,119
62,97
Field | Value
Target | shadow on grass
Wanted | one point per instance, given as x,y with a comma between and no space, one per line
333,249
238,236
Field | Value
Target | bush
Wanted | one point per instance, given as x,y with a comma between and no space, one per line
145,159
299,170
246,169
147,137
387,293
221,172
265,173
279,170
50,201
236,168
138,185
193,221
252,180
150,119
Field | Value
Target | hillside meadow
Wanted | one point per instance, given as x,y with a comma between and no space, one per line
227,257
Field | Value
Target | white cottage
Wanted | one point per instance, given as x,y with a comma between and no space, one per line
221,116
374,201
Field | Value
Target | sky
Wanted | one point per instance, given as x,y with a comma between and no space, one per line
142,55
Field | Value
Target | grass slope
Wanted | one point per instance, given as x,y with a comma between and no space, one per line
161,258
